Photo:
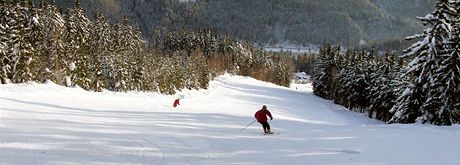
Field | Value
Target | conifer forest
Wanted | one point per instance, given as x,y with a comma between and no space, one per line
420,86
43,42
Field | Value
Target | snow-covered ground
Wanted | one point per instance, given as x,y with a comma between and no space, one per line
50,124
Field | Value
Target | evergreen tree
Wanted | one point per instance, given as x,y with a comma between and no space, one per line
127,48
358,82
140,72
74,51
382,95
51,48
177,75
17,42
5,19
343,79
119,77
151,64
132,54
197,75
101,62
418,101
170,76
323,73
281,72
203,73
76,45
35,38
446,91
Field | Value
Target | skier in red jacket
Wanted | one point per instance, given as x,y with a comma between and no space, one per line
176,103
261,117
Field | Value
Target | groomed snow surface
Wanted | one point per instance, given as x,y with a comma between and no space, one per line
51,124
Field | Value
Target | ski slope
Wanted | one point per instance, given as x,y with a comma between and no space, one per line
50,124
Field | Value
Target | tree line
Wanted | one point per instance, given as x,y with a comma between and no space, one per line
305,62
43,42
420,86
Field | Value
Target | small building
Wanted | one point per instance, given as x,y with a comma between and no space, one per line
301,78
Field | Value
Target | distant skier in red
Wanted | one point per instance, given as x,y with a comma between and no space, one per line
261,117
176,103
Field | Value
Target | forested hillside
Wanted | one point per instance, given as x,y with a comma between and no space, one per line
40,43
420,86
348,22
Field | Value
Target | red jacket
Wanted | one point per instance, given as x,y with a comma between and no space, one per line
261,115
176,103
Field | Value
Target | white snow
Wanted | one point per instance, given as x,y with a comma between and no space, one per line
51,124
72,66
35,20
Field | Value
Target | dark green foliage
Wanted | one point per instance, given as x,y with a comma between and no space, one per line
382,94
40,44
223,54
305,63
421,101
359,80
99,48
50,51
425,90
76,37
325,71
446,88
273,21
17,41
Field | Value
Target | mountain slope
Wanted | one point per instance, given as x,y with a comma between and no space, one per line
348,22
50,124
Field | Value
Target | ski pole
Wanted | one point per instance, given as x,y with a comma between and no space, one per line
247,126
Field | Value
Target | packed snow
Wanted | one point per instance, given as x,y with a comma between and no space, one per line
51,124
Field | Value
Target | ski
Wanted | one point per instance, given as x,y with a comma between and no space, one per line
272,133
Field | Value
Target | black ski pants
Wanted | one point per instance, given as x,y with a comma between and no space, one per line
265,125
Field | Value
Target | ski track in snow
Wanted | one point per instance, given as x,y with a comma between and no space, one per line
50,124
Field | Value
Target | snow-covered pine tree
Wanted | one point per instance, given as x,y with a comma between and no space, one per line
382,95
9,40
139,75
323,72
51,47
169,75
35,39
418,101
76,46
197,75
376,83
177,74
343,78
281,74
209,43
447,87
358,83
151,64
119,76
243,59
5,34
203,73
128,52
17,41
134,56
101,62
